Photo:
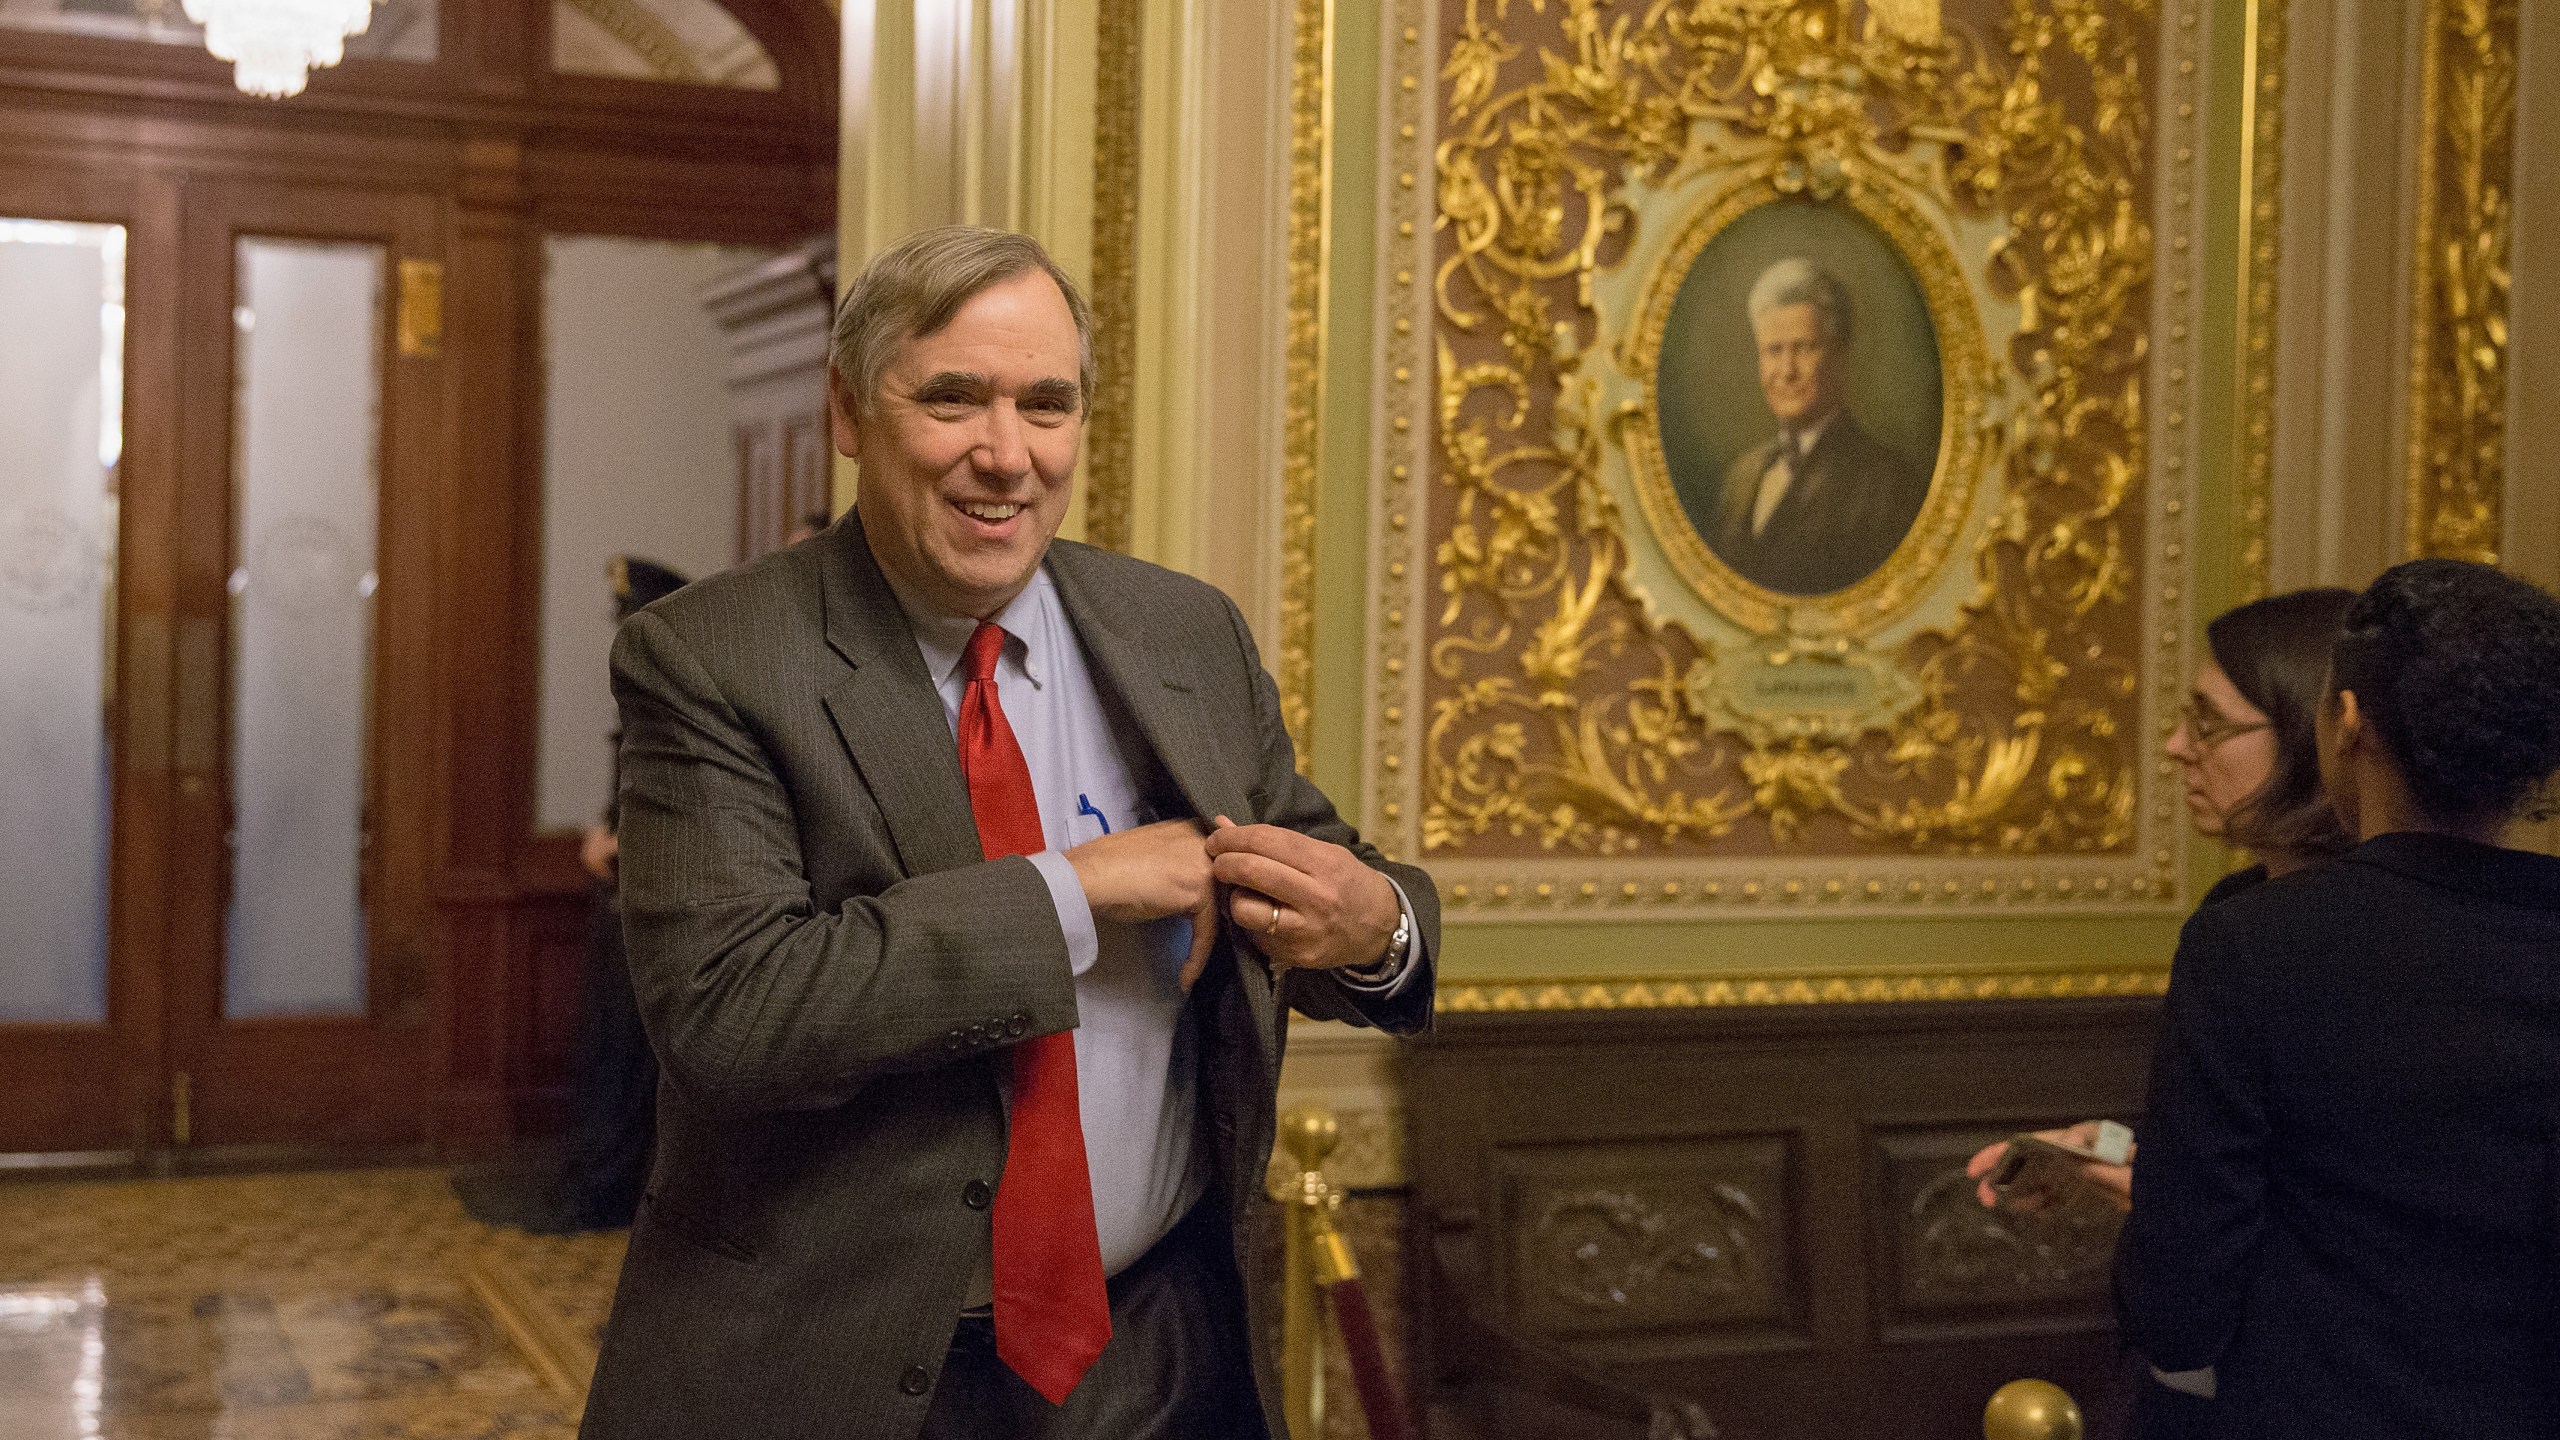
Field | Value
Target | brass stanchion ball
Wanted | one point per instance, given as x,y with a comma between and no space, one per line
2031,1410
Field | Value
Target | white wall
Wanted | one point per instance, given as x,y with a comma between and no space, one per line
637,460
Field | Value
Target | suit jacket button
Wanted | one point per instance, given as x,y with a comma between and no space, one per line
915,1381
1019,1023
952,1043
976,1194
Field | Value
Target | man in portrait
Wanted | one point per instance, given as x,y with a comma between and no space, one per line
1818,506
968,879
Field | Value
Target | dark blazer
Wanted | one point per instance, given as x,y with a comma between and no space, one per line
1851,503
2348,1196
831,970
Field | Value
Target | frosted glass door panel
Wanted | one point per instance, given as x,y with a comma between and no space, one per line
308,436
61,433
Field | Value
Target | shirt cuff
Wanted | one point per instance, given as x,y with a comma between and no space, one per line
1075,914
1379,977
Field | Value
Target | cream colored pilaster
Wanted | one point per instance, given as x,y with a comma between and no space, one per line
967,112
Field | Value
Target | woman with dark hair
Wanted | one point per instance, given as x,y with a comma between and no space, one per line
2350,1182
2247,744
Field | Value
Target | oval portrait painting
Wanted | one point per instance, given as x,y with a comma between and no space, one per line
1800,397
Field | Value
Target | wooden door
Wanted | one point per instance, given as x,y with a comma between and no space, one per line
87,465
310,404
216,731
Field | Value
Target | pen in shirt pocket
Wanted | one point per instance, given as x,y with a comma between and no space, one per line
1085,806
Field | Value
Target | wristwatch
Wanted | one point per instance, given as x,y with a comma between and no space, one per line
1390,964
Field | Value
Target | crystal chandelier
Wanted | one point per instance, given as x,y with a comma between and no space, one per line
273,44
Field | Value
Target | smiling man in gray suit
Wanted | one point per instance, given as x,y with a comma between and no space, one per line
969,879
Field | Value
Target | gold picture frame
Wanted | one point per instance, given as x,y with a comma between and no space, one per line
1608,837
1963,442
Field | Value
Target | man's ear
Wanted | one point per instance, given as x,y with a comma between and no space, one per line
842,428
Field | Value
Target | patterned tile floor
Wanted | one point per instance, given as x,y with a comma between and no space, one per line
349,1306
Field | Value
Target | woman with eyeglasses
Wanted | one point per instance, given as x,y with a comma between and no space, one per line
2246,746
2348,1203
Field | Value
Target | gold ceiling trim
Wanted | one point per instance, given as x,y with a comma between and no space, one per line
2261,239
1833,987
2458,286
1110,451
650,38
2148,475
1310,296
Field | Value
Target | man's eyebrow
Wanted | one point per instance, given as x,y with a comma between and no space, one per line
1052,389
954,380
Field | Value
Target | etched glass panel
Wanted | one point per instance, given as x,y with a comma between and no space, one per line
309,420
689,42
61,435
400,29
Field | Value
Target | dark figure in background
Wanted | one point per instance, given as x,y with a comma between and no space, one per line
2349,1185
614,1079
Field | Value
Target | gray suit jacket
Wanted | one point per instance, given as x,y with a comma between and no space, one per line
831,970
1852,503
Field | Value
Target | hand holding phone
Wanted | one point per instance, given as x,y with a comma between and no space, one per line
2035,1170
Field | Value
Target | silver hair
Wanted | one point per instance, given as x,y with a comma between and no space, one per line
914,287
1798,281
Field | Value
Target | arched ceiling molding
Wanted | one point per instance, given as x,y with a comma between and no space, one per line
804,39
639,30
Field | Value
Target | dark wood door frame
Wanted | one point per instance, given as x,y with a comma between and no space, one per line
502,153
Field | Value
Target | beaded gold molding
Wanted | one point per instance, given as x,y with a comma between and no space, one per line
1587,872
2261,245
1310,291
1812,988
1110,447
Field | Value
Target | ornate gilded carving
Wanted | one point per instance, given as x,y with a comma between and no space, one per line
1551,733
2261,214
2458,333
1302,454
1110,446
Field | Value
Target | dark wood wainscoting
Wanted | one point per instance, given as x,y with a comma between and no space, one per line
1764,1209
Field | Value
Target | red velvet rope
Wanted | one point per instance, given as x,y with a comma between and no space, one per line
1378,1402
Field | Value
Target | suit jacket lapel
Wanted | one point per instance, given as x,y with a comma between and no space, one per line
1160,697
889,715
1167,709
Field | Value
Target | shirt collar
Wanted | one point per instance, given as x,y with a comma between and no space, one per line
944,639
1807,436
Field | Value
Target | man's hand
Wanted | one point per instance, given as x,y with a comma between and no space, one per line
599,851
1149,873
1308,904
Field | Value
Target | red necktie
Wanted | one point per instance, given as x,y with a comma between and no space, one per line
1052,1313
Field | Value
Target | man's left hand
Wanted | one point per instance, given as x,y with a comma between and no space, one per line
1306,904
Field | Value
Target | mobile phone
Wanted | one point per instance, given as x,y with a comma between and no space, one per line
2113,1144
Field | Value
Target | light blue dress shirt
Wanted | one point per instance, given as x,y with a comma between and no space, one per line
1137,1050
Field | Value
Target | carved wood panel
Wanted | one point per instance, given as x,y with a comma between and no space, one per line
1682,1238
1762,1209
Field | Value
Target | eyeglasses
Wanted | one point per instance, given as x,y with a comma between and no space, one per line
2209,729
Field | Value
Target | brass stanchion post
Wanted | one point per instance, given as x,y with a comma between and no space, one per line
1309,1134
2031,1410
